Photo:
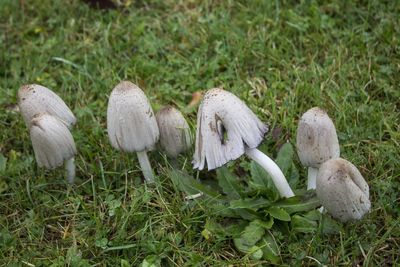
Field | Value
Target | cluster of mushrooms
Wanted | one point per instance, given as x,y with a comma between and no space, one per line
226,129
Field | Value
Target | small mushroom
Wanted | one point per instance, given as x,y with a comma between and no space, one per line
342,190
131,124
52,143
174,131
226,129
34,99
317,142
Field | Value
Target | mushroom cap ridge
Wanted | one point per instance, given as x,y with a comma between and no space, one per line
131,124
225,128
51,140
34,99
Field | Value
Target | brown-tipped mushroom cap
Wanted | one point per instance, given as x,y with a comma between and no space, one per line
225,128
342,190
131,124
51,140
316,139
34,99
174,131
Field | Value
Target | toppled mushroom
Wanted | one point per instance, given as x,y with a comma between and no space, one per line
226,129
316,142
131,124
174,131
34,99
52,143
342,190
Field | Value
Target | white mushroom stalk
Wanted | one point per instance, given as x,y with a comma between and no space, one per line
131,124
174,131
316,142
342,190
34,99
53,144
226,129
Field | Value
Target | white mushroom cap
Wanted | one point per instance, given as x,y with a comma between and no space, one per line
131,124
342,190
174,131
222,113
316,139
51,141
34,99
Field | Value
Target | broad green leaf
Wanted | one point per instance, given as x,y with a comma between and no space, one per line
247,240
301,224
226,228
151,261
266,224
252,234
229,183
261,181
270,248
254,252
249,203
125,263
279,214
329,226
3,162
222,209
313,215
293,177
259,176
247,214
298,204
284,159
189,185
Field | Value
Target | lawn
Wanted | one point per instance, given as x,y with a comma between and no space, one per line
280,57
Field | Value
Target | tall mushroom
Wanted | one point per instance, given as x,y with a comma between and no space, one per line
226,129
52,143
342,190
131,124
316,142
34,99
174,131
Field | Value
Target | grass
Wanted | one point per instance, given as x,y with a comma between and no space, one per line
280,57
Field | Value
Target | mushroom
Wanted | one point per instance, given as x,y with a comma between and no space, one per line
34,99
52,143
226,129
316,142
174,131
131,124
342,190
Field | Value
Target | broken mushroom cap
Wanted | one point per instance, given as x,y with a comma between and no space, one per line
131,124
316,139
225,128
342,190
34,99
174,131
51,140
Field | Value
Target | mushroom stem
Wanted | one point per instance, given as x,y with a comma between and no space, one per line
70,168
312,178
273,170
145,166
